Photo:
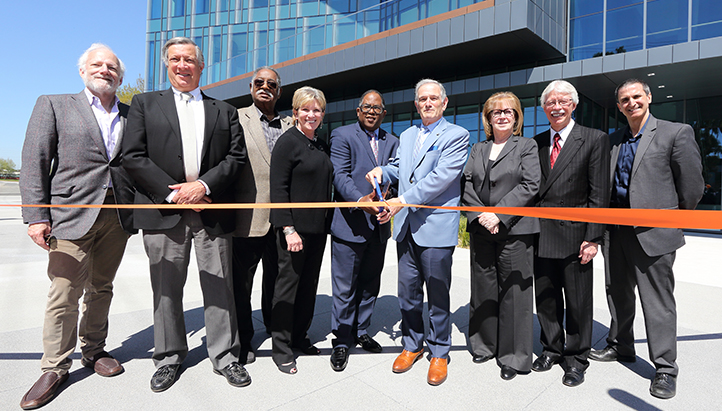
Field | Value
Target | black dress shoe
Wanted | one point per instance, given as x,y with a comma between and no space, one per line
480,359
507,373
368,343
663,386
609,354
339,358
543,363
235,374
164,377
573,377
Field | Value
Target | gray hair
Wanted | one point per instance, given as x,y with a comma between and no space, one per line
181,40
361,100
429,81
560,86
629,82
96,46
278,76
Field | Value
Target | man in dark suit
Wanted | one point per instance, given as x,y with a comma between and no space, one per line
427,168
654,164
72,155
254,237
575,164
183,147
358,241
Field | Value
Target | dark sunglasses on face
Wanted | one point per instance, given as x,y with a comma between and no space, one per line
270,83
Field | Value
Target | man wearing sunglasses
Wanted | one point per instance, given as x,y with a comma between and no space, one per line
358,241
254,238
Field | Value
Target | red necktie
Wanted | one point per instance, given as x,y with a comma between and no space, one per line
556,149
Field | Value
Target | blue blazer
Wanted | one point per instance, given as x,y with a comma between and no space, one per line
433,178
352,158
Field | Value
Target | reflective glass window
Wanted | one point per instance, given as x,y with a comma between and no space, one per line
156,9
402,121
666,22
624,29
177,8
583,7
705,116
706,19
202,6
438,7
585,36
613,4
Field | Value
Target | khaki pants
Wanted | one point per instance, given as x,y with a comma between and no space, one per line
76,267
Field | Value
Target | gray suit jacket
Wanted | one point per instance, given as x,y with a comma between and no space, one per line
514,179
65,162
666,174
578,179
352,158
252,186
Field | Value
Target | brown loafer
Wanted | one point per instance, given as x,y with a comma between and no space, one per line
406,360
43,390
103,364
437,371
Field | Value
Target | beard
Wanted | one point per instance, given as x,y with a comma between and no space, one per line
99,85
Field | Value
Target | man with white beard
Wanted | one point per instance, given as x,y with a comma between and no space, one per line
254,238
72,155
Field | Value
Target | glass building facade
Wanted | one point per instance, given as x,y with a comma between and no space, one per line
347,46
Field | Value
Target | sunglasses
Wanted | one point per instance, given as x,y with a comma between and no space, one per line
259,83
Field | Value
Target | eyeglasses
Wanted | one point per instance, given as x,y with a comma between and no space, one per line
258,83
563,103
367,108
506,113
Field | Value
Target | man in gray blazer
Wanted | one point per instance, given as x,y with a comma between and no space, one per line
358,241
254,238
574,166
654,164
72,155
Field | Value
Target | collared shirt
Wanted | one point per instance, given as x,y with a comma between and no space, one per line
108,122
199,113
200,117
563,134
623,171
272,128
424,132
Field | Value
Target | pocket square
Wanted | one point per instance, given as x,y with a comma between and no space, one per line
433,148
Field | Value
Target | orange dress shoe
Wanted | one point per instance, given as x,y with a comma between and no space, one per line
437,371
406,360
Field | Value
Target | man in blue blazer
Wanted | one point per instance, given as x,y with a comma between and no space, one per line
358,240
427,168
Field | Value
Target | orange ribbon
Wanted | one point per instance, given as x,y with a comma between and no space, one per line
691,219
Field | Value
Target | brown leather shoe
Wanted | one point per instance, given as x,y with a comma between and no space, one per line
406,360
43,390
437,371
103,364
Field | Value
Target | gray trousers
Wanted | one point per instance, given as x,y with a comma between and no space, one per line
627,266
169,254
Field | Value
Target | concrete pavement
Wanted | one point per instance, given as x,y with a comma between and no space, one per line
368,382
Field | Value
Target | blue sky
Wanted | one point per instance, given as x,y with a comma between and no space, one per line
42,42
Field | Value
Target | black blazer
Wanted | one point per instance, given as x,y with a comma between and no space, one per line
579,179
153,156
514,179
301,171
